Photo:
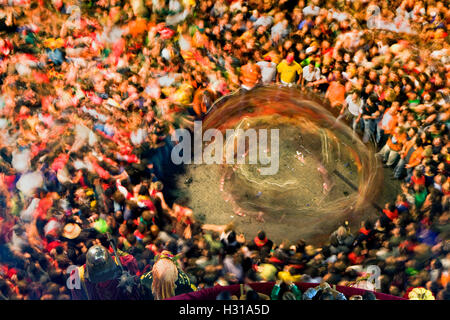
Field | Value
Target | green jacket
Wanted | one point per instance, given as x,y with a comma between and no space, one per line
295,290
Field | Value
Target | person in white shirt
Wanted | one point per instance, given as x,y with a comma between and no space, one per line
265,21
352,108
311,10
280,30
236,6
219,8
311,73
268,70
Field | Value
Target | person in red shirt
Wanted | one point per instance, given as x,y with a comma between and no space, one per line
418,178
365,232
390,211
356,257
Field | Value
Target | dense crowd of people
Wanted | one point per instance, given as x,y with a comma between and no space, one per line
92,90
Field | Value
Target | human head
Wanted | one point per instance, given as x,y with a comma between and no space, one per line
290,58
165,274
100,266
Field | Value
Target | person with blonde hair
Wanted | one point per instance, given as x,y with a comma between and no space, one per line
166,279
341,240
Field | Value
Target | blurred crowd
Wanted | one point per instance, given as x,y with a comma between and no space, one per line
92,90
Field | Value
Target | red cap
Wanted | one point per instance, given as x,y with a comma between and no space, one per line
290,58
268,58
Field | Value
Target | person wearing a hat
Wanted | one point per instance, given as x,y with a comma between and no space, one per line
71,231
289,70
268,70
101,278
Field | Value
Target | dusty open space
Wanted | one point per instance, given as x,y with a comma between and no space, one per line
306,222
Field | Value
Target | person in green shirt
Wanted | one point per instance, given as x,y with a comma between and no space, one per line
292,289
420,194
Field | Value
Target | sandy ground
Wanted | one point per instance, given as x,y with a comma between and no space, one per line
209,205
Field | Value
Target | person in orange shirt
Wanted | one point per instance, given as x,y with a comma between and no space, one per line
415,159
390,151
390,118
250,75
405,153
445,278
388,121
336,93
203,100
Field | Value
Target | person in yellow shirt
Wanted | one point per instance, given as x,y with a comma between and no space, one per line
288,70
183,95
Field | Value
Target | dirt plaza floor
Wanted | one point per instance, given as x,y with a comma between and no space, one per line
201,185
325,176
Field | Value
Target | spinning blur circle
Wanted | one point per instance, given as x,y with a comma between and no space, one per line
323,166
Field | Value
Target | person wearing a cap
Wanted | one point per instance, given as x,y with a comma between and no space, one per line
268,70
289,70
